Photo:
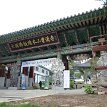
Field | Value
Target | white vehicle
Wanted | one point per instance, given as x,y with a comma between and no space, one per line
80,80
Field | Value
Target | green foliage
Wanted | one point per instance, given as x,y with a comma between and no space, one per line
71,83
50,82
89,89
81,70
3,105
17,105
78,75
94,62
25,105
71,72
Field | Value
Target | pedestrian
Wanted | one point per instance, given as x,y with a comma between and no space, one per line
40,84
75,84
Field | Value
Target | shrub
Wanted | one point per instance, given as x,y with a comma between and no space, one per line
50,82
89,89
71,83
36,86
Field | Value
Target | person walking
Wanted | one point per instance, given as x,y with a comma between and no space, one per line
40,84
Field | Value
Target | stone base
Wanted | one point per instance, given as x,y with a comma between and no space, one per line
12,88
101,93
3,88
2,81
102,90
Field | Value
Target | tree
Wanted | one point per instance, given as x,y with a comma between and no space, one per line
104,2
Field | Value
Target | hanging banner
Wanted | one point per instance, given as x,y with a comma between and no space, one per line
23,82
34,42
44,62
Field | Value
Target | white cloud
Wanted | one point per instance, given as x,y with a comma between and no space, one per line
19,14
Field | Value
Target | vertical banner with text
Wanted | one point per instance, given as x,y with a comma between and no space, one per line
66,79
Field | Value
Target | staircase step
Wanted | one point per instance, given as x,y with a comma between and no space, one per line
12,88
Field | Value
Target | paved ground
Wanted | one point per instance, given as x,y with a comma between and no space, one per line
13,94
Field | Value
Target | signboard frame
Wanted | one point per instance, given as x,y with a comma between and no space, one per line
34,42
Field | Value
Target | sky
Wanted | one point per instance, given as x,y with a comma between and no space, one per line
16,15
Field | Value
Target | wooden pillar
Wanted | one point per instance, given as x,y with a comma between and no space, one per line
2,78
25,72
65,61
19,74
31,75
8,78
59,56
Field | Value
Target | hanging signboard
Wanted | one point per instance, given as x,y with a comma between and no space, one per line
66,79
34,42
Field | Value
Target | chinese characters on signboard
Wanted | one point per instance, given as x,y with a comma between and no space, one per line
38,41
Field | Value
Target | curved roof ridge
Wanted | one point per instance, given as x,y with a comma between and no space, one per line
46,25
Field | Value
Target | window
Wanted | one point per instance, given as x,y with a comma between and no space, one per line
42,70
47,72
37,68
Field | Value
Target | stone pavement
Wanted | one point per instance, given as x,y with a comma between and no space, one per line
13,94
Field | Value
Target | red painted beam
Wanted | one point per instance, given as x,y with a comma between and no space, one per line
100,67
100,48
